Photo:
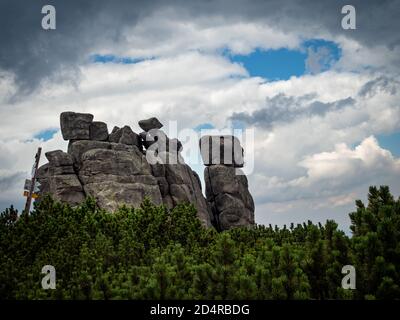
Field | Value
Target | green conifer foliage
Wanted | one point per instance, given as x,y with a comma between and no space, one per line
155,253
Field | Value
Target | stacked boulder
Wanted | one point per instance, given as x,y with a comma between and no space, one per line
227,190
120,168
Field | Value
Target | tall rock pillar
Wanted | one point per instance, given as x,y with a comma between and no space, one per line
226,185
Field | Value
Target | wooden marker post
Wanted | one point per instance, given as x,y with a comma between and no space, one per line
32,185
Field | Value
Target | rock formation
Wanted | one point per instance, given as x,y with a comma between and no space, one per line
123,167
226,186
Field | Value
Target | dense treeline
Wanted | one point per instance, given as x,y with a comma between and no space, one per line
153,253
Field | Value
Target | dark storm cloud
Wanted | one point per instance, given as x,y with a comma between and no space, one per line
9,181
33,54
13,181
284,109
381,83
377,20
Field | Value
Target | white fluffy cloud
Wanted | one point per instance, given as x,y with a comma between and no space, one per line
170,31
332,173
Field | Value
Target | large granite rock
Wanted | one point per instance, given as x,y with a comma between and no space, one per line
125,135
59,158
120,163
75,125
115,134
110,194
59,163
228,195
98,131
59,179
77,148
116,170
151,123
162,149
178,183
155,140
42,178
66,188
226,186
118,176
221,150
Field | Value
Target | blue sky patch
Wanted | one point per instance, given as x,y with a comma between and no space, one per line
315,55
334,49
273,64
110,58
46,134
204,126
321,55
390,142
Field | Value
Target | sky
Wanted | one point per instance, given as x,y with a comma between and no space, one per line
323,101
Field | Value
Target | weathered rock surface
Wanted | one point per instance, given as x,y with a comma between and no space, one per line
116,170
59,179
66,188
75,125
151,123
221,150
43,179
77,148
113,162
229,197
110,195
226,186
178,183
98,131
157,140
59,163
125,135
58,158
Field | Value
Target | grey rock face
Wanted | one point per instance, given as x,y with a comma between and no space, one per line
118,176
229,197
174,145
115,134
179,183
77,148
110,195
42,177
126,136
129,137
119,163
151,123
66,188
75,125
157,140
227,190
221,150
185,187
98,131
115,170
59,179
59,158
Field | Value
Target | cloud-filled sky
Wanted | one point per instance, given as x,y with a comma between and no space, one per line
324,102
